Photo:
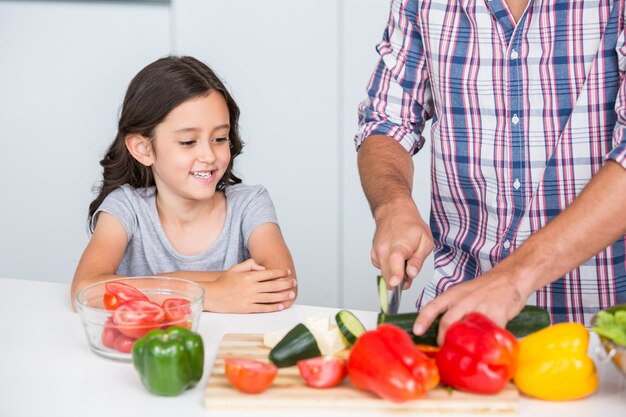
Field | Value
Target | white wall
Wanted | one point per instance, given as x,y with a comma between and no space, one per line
297,69
64,68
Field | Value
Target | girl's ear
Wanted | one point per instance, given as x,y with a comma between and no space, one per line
140,148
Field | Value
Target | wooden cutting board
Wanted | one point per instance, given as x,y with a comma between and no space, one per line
289,392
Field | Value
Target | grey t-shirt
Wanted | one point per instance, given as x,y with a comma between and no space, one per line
149,252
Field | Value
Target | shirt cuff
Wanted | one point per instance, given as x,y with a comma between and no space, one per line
409,140
618,154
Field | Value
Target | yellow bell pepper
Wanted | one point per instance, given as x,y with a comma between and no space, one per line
553,363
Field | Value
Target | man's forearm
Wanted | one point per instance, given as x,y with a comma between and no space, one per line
386,172
594,220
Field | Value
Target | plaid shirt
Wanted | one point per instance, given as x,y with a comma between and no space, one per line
522,117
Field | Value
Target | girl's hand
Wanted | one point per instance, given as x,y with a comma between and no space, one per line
251,288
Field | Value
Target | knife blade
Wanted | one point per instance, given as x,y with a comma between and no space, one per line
396,295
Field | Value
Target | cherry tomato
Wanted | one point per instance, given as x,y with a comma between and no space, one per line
115,293
322,371
124,344
109,334
135,318
430,351
176,311
250,376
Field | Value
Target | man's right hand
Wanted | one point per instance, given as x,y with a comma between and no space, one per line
402,238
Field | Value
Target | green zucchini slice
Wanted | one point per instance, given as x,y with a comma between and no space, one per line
349,326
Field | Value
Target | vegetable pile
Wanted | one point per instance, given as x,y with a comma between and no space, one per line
550,362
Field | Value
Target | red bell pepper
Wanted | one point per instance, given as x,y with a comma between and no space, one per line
387,362
477,355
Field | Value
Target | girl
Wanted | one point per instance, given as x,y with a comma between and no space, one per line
171,205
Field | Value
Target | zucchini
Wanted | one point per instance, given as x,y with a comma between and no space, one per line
383,295
349,326
297,344
529,320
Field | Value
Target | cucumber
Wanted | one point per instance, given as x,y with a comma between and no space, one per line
297,344
349,326
383,295
529,320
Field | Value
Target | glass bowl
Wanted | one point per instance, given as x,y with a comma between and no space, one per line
610,350
165,302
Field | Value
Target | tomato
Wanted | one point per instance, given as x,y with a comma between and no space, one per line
124,344
109,334
135,318
176,311
250,376
115,293
322,371
428,350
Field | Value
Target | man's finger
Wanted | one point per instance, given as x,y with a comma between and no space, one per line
427,315
397,262
374,258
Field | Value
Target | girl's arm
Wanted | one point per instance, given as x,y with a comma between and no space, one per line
102,256
268,248
244,288
265,283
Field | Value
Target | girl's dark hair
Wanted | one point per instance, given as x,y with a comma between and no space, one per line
152,94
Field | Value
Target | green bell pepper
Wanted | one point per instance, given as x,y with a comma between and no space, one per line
169,361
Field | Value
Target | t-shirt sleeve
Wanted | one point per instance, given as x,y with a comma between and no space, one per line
118,204
259,210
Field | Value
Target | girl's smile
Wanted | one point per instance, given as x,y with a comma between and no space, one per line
206,177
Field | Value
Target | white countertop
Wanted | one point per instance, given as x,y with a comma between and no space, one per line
47,369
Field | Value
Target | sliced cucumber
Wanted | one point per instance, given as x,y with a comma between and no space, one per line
298,344
349,326
383,295
529,320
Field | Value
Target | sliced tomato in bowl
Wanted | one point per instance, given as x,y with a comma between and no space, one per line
250,376
124,344
109,334
135,318
116,293
177,311
322,371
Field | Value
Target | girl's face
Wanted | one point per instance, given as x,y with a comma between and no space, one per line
191,148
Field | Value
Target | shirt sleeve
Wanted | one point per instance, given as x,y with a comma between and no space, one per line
119,206
259,210
399,96
618,153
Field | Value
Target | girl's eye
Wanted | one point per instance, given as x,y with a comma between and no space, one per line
219,140
186,142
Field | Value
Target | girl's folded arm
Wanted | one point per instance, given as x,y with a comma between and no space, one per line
268,248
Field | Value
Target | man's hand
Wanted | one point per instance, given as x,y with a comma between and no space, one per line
492,294
401,237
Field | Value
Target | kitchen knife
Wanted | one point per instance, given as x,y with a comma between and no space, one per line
396,295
